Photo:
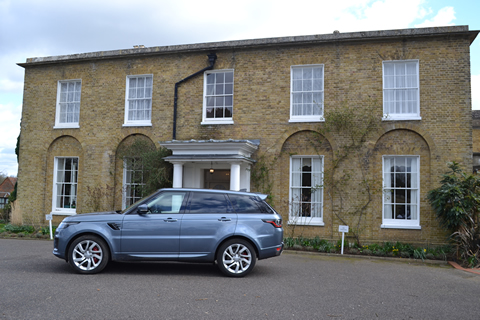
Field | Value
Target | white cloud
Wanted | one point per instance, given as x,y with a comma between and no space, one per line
444,17
476,92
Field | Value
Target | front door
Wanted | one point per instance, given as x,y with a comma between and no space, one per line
218,180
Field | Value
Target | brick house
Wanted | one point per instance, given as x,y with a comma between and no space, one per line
6,188
273,106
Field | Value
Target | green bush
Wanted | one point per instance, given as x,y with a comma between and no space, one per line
457,204
18,229
387,249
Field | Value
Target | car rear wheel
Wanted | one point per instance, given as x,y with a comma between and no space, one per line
236,258
88,254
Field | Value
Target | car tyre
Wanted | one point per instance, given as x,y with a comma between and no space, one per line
88,254
236,258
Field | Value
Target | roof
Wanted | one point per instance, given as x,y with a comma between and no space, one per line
7,186
258,43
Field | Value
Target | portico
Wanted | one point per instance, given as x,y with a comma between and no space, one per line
211,164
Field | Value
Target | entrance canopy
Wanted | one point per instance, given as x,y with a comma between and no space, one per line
192,159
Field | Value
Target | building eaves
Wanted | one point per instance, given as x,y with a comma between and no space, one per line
257,43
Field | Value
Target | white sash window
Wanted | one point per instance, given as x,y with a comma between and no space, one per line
401,188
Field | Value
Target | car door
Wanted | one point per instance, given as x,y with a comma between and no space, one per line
208,219
156,233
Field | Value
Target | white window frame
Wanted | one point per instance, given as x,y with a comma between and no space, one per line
306,90
68,100
127,170
388,200
295,190
401,83
57,176
146,91
207,95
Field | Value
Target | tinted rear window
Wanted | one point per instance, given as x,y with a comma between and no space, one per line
248,204
206,202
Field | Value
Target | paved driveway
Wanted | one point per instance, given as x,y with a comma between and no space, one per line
36,285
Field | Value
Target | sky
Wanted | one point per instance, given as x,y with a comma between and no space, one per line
32,28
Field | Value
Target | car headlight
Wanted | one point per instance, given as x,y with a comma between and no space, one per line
66,224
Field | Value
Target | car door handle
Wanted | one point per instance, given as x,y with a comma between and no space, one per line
224,219
170,220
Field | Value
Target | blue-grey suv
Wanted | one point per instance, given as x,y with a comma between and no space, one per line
193,225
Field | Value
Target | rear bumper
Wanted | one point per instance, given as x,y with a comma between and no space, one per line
271,252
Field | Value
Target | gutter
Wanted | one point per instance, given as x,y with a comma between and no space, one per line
212,57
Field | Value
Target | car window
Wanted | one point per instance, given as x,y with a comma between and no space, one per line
209,202
248,204
167,202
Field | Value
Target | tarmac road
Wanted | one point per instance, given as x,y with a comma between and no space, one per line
34,284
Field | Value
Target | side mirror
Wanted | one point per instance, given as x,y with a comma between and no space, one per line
142,209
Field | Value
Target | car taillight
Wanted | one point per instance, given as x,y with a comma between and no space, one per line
277,223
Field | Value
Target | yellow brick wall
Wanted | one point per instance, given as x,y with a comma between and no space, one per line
353,77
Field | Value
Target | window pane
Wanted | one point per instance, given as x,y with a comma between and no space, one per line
245,204
210,89
211,78
229,89
220,77
307,85
219,89
205,202
210,113
228,77
210,102
219,101
167,202
218,112
229,101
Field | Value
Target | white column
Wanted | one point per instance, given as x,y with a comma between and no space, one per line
235,177
177,174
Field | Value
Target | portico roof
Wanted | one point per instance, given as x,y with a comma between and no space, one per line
211,150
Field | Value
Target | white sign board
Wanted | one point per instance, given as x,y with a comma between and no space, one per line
343,229
49,218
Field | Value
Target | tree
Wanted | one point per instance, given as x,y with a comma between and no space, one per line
457,204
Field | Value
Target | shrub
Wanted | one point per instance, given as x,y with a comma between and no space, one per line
456,204
17,229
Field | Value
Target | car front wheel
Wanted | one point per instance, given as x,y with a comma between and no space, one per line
88,254
236,258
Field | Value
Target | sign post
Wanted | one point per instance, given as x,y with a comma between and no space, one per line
49,217
343,229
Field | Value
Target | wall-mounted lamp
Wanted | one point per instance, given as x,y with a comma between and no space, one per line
211,169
